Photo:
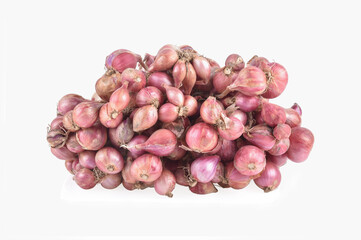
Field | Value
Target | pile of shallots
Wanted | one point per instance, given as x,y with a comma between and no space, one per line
178,117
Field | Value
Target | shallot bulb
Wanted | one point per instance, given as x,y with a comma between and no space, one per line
144,118
161,143
202,67
119,100
190,79
126,174
257,61
227,151
57,123
203,169
293,119
273,114
177,154
57,137
149,96
85,178
107,84
159,79
203,188
68,103
297,108
211,111
280,147
146,168
165,59
93,138
122,59
223,78
68,166
247,103
179,72
133,151
87,159
235,62
85,114
219,176
234,130
76,166
111,181
301,143
234,178
277,160
282,131
190,106
73,145
249,160
148,59
63,153
270,178
121,134
109,160
165,184
108,117
68,122
261,136
201,138
135,78
168,112
174,95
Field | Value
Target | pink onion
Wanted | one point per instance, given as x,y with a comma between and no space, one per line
149,96
190,79
68,103
251,81
181,178
57,137
122,134
68,166
133,151
234,130
190,106
120,99
270,178
247,103
93,138
277,79
260,136
73,145
282,131
85,178
146,168
161,143
157,79
76,166
257,61
148,59
223,78
211,111
301,143
111,181
178,127
108,117
165,184
201,138
57,123
241,116
68,122
165,59
179,73
109,160
249,160
122,59
177,154
126,174
202,67
273,114
203,169
219,177
277,160
280,147
135,78
203,188
87,159
168,112
293,119
227,151
145,118
297,108
174,95
107,84
235,62
63,153
234,178
85,114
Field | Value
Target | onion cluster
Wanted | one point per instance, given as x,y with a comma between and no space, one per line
179,117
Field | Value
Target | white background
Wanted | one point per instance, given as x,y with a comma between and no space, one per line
49,49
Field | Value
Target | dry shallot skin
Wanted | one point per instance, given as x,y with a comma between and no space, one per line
135,78
146,168
273,114
277,79
111,181
57,123
223,78
96,98
68,122
269,179
85,178
85,114
68,103
148,59
73,145
93,138
165,184
301,143
107,84
63,153
145,118
280,147
293,119
201,137
109,160
190,79
234,130
249,160
149,96
108,118
260,136
157,79
57,137
166,57
203,188
235,179
122,59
